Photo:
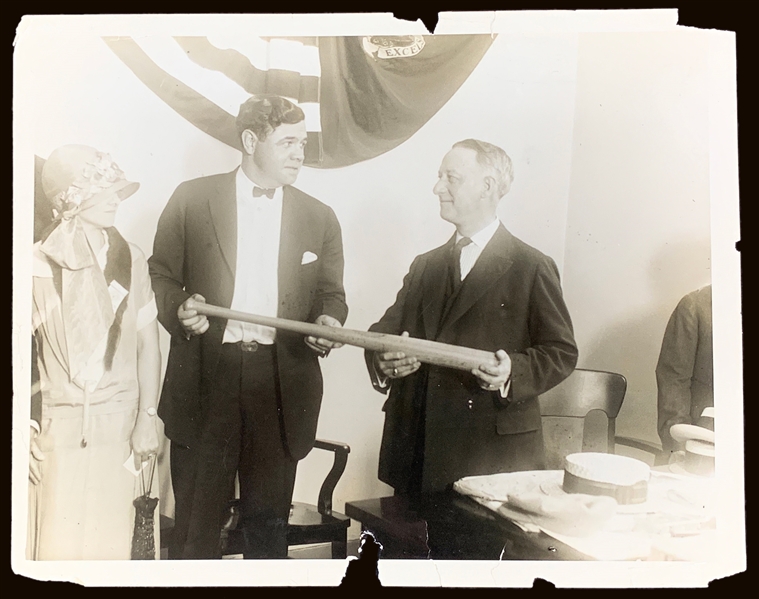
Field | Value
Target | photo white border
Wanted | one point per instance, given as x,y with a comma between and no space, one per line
726,307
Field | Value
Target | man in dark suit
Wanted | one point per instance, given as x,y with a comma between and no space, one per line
483,289
239,398
685,370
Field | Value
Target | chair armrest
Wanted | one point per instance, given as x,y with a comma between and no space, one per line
651,448
341,451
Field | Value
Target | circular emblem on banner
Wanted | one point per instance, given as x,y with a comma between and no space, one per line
400,46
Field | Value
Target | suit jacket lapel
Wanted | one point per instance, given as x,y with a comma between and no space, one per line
292,231
223,208
493,263
434,283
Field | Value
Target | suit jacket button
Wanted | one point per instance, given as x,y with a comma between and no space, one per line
469,404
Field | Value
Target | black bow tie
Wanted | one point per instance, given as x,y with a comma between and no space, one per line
258,192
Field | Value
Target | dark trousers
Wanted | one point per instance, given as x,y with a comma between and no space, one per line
242,434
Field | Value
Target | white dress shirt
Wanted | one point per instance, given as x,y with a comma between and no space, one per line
470,253
469,256
259,221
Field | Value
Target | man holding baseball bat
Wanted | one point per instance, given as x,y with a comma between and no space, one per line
239,398
483,289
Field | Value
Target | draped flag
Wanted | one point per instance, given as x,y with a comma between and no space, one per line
362,96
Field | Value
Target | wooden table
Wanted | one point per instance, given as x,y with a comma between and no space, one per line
675,522
452,526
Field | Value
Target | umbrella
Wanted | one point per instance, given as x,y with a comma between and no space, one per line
143,538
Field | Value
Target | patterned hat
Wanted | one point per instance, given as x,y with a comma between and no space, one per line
75,177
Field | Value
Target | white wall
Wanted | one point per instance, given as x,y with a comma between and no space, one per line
624,113
638,234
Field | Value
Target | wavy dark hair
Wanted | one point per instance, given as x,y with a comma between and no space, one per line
263,113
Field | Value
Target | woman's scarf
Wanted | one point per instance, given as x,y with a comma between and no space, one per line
118,269
93,301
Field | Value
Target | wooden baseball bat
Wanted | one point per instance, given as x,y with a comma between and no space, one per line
430,352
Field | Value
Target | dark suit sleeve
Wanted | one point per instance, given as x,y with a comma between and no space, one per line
674,370
391,323
552,355
166,265
330,293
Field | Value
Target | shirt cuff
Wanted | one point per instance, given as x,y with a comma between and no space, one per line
505,389
35,425
382,381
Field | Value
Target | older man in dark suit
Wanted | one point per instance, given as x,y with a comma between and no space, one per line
484,289
239,398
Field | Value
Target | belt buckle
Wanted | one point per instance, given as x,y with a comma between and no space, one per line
248,346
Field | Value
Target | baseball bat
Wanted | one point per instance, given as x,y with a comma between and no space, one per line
430,352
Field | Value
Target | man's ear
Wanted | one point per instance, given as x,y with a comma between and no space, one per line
249,141
489,184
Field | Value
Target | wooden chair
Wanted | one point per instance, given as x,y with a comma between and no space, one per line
307,523
579,414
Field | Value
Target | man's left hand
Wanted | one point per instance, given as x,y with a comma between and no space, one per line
320,345
493,377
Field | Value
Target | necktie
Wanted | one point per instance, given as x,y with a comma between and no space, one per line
456,261
454,276
258,192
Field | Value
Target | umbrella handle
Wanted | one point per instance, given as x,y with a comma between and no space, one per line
143,490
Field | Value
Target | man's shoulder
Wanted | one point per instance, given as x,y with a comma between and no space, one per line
305,200
201,184
524,250
195,193
432,254
702,296
698,300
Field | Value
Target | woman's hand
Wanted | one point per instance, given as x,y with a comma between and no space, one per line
35,457
144,439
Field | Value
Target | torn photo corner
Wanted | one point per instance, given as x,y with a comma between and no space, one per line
620,130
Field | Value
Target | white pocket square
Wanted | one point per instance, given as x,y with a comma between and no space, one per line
308,258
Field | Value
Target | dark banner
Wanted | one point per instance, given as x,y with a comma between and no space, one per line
362,95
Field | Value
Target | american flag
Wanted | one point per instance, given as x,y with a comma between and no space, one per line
362,96
205,79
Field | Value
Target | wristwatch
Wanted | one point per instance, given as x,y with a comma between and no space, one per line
150,411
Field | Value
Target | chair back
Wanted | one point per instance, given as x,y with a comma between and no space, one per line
579,414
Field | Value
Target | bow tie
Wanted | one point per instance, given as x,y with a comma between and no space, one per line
258,192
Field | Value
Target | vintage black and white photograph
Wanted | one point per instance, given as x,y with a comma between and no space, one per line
297,295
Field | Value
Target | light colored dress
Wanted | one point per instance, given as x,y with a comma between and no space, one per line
82,508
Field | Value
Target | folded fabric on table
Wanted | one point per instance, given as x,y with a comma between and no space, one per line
534,500
497,487
574,514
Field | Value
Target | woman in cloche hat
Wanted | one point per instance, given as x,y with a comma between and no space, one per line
98,360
